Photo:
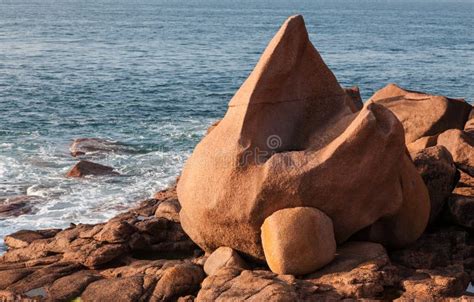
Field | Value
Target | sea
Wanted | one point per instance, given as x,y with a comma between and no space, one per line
152,75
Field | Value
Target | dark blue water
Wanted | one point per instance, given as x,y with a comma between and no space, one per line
155,74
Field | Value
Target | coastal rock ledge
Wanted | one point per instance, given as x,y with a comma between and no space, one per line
313,197
138,256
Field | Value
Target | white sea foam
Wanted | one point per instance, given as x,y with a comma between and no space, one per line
41,172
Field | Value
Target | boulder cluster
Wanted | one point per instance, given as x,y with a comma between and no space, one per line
300,193
144,255
296,166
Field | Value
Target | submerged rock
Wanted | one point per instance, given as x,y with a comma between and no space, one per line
87,146
290,139
84,168
422,114
18,205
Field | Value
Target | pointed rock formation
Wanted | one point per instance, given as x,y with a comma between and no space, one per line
422,114
290,138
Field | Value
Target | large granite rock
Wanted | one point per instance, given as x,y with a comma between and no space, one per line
41,266
461,146
436,167
422,114
458,142
290,139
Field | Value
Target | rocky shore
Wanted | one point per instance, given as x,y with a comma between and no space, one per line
336,201
144,255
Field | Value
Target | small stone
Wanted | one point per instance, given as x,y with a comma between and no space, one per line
168,209
84,168
223,257
180,280
298,240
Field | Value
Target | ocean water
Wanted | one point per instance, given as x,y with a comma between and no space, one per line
153,75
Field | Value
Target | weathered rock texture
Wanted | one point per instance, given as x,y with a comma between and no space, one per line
436,167
298,240
461,146
121,260
422,114
137,256
350,166
223,257
290,138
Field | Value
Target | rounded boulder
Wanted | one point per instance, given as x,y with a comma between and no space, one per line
298,240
